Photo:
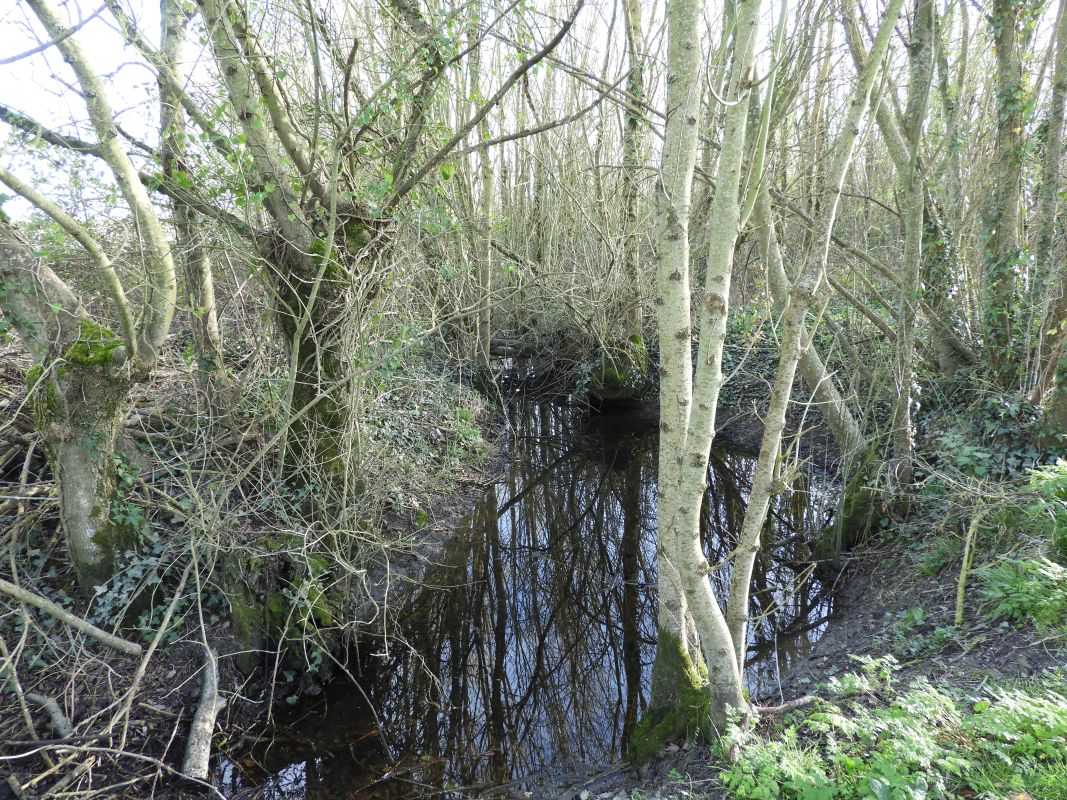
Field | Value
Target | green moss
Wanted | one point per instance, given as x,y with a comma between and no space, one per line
356,237
33,374
319,605
685,714
621,371
246,617
95,345
276,612
333,271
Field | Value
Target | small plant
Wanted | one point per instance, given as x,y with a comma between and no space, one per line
926,743
1026,591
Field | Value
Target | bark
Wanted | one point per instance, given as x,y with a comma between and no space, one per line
197,758
632,161
921,66
1054,364
687,420
81,425
1001,213
313,264
84,370
79,385
673,667
484,245
820,382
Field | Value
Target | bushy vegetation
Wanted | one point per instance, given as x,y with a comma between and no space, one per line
925,742
1026,591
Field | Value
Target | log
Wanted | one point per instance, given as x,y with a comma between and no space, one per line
198,748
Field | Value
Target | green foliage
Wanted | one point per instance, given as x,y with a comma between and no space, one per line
1026,591
926,743
1047,516
992,439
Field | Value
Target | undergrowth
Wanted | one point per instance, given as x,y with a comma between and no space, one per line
925,742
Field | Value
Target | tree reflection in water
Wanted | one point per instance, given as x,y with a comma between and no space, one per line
529,648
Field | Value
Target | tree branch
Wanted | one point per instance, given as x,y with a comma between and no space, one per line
122,645
483,112
92,247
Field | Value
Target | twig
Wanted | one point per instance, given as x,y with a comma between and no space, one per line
122,645
792,705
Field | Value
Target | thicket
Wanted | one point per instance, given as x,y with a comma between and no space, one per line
241,329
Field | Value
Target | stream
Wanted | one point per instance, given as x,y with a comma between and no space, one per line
526,658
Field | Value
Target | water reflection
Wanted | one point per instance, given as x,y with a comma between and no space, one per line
530,646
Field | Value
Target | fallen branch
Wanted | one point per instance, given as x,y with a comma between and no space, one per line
198,749
60,724
792,705
115,642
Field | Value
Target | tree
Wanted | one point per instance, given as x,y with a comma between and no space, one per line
689,393
84,368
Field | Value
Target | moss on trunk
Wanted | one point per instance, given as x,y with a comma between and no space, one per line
78,403
680,706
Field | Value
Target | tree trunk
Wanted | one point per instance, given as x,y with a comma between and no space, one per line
81,414
1001,213
78,385
484,225
820,382
795,341
190,243
674,674
1053,363
632,162
921,75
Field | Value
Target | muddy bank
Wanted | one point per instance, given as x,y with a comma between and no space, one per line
887,607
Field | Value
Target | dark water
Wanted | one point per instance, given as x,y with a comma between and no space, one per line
529,652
